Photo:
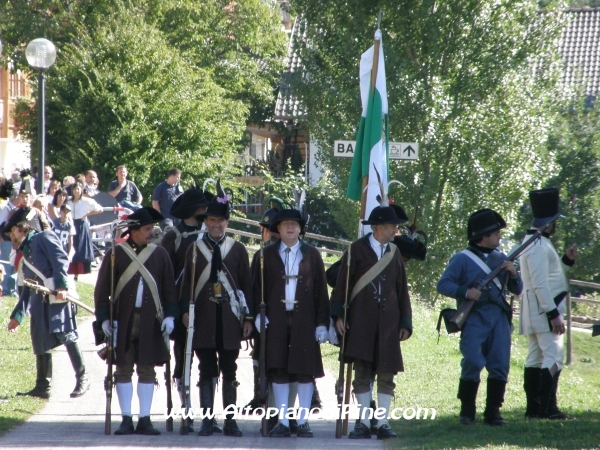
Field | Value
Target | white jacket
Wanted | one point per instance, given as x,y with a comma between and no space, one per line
544,277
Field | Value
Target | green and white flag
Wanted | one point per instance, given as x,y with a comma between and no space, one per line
372,138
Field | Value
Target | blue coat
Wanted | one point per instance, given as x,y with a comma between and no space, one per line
462,273
44,251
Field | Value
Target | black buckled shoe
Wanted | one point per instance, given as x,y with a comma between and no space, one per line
293,426
206,429
126,426
361,431
385,432
144,426
231,429
280,430
304,431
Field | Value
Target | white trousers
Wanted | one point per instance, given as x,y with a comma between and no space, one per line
545,350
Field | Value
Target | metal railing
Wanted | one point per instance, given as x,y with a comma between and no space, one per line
586,284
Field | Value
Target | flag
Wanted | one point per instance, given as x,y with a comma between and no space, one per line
372,138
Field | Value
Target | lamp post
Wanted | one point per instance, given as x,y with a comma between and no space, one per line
41,54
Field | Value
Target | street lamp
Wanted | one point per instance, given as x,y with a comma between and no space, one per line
41,54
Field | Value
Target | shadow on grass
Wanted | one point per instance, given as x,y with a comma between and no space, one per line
446,432
8,423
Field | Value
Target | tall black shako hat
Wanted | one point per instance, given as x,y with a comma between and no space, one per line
143,216
188,203
268,217
219,206
544,206
483,222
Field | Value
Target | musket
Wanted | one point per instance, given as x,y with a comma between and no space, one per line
339,386
169,425
108,381
187,361
460,317
262,358
32,284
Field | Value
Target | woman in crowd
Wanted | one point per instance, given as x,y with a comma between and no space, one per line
60,198
81,207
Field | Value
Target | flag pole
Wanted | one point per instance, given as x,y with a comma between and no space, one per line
365,180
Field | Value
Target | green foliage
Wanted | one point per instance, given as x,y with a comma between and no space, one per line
459,78
151,86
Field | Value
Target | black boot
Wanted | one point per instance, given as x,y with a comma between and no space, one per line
229,398
76,357
531,378
493,402
145,427
43,365
553,412
467,393
206,403
316,402
547,393
255,402
126,426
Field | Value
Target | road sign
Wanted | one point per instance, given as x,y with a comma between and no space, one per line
397,150
251,180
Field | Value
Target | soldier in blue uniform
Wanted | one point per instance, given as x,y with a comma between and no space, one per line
485,338
51,324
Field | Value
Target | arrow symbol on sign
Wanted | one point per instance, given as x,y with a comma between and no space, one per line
409,149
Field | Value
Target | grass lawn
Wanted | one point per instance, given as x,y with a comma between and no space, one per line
431,381
17,364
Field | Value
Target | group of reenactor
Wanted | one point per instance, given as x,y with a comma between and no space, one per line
198,288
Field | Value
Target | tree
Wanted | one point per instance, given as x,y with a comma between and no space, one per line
126,88
473,82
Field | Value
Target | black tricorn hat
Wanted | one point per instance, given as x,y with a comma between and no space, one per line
411,247
268,217
218,208
483,222
188,203
287,214
27,214
383,214
400,213
143,216
544,206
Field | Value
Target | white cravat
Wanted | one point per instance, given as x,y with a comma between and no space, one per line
291,261
140,294
377,247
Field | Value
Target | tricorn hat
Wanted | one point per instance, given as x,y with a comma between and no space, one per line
188,203
268,217
411,246
383,214
484,222
29,215
400,213
219,206
287,214
544,206
143,216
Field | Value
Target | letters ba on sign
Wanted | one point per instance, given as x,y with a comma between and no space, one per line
397,150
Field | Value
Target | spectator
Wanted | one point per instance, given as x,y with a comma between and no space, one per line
125,191
60,198
82,207
48,173
9,282
54,185
164,196
91,181
16,179
67,182
64,229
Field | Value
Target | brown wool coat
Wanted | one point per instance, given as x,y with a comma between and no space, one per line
374,327
236,268
177,256
303,355
152,346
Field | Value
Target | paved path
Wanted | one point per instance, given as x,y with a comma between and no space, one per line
66,423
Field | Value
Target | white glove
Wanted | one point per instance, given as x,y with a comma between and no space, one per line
321,334
167,326
257,322
107,328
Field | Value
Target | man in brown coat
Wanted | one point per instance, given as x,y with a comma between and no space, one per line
189,209
222,291
144,311
297,311
379,316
